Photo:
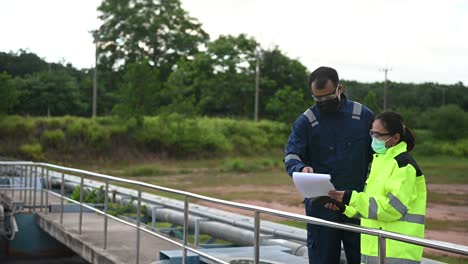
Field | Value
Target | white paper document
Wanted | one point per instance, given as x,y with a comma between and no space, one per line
312,184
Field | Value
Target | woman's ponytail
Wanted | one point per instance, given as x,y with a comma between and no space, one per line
409,138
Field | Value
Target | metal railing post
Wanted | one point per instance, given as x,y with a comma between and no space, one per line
61,197
30,185
21,182
25,190
197,229
186,210
12,181
138,224
35,188
257,237
197,232
382,249
42,188
81,205
106,199
47,184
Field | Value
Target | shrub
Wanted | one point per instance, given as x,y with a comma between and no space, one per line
32,151
89,196
451,148
172,134
53,138
88,133
16,127
449,122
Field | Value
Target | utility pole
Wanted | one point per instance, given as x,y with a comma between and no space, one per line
95,81
257,88
385,70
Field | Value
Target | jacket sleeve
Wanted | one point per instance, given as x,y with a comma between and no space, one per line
392,202
296,148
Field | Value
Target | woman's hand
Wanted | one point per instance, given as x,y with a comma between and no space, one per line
337,195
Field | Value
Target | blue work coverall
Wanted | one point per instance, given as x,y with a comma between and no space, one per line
338,144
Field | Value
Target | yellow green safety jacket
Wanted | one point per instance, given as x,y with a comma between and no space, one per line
394,199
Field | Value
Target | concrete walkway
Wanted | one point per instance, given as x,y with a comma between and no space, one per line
121,238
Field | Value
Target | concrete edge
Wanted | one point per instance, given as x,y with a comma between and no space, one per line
87,251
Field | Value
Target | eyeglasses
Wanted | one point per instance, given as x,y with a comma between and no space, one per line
376,134
326,97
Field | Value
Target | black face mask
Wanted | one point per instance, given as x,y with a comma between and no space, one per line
329,106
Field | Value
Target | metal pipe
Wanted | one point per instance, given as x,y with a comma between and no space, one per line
256,237
197,230
30,184
186,207
26,168
21,169
138,225
12,182
42,189
106,198
81,206
47,184
61,200
382,249
35,188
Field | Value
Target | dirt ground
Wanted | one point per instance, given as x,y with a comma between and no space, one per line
436,211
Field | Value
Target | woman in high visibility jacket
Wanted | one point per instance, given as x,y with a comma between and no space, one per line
394,198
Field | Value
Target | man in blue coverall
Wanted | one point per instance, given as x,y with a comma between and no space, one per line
331,137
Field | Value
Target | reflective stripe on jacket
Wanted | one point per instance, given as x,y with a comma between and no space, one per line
394,200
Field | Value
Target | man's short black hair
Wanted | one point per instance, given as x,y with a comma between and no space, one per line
321,76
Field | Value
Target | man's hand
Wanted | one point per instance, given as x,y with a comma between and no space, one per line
337,195
307,169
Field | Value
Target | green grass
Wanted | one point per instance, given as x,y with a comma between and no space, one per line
444,169
144,170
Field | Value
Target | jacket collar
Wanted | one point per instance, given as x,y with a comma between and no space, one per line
344,103
395,150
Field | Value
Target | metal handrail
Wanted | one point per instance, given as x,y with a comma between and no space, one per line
257,210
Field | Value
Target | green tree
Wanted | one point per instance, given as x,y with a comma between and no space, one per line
8,93
371,101
278,71
230,91
158,31
183,86
449,122
287,104
219,81
139,93
55,92
21,63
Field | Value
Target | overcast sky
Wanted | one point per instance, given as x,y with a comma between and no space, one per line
421,40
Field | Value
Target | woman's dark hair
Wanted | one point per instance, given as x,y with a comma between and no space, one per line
394,123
